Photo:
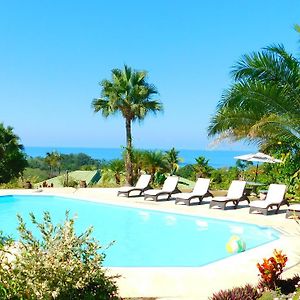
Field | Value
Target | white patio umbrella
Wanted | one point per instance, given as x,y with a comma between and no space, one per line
258,157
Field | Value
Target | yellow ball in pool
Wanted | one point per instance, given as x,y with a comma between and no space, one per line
235,245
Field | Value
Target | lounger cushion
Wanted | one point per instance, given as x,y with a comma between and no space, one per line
294,207
221,198
126,188
185,195
154,192
260,203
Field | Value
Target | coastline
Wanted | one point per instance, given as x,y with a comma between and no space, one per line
216,158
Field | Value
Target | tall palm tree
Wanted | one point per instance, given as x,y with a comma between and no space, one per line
127,93
263,104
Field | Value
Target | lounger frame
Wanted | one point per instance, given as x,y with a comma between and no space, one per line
222,203
155,197
292,212
134,189
264,210
141,188
168,191
187,201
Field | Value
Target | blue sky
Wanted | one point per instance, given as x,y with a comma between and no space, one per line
54,54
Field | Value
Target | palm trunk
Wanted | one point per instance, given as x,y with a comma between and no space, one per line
128,162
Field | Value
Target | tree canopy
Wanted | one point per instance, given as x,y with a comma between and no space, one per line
263,104
12,157
128,93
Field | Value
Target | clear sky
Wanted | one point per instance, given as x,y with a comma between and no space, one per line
55,52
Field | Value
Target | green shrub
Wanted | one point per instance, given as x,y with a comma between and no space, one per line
68,181
57,265
247,292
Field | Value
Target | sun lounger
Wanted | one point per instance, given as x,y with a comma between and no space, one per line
236,194
293,211
199,192
141,185
168,188
275,198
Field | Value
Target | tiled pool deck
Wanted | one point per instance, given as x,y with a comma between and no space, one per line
194,282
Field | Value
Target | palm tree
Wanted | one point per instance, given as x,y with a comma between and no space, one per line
117,167
53,160
12,158
201,168
263,104
127,93
154,162
173,160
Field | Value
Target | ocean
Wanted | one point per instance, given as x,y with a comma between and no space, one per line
216,158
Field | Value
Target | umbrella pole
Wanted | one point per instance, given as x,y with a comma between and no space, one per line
256,171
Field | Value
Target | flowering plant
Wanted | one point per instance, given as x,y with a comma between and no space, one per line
271,268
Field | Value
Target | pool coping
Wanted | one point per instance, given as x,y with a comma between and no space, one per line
192,282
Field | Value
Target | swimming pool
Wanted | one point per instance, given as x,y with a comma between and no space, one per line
143,238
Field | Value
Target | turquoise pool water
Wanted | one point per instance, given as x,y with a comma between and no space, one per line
143,238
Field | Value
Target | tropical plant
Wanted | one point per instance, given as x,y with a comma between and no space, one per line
57,264
113,173
187,172
263,104
12,157
202,168
155,164
127,93
53,160
247,292
173,160
271,269
221,178
117,167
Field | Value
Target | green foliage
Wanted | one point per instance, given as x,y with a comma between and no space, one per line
58,265
221,178
53,160
113,172
12,157
187,172
202,169
173,160
247,292
69,162
155,162
15,183
68,181
267,296
34,175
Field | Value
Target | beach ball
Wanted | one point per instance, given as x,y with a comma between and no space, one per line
235,245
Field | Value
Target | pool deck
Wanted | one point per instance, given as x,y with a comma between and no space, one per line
193,282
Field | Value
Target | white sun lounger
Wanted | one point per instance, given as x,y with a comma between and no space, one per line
275,198
235,194
168,188
141,185
199,192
